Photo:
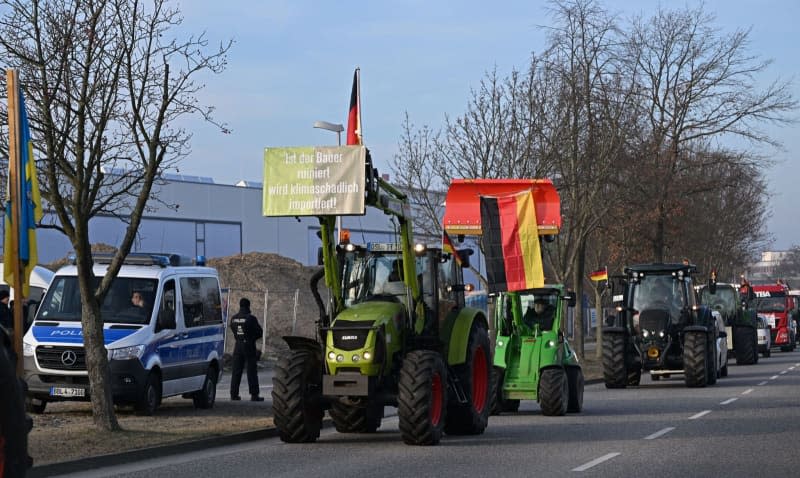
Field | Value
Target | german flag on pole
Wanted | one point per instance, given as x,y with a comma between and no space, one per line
511,242
354,115
602,274
448,248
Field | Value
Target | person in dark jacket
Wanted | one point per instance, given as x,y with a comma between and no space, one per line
6,319
246,331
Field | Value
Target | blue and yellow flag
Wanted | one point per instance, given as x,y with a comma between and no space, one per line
30,205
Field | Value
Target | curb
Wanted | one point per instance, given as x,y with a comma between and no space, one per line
101,461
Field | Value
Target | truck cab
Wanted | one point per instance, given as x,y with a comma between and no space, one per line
775,304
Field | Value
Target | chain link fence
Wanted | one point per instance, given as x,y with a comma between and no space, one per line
280,312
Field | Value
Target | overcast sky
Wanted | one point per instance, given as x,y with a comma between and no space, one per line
293,63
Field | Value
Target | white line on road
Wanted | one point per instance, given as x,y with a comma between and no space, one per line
659,433
749,390
773,377
595,462
730,400
784,372
791,368
698,415
762,383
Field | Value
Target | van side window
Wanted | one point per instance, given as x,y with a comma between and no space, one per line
201,301
166,312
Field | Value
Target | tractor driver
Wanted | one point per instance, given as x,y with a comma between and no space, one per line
539,312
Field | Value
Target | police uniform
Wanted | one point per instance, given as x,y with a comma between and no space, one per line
246,331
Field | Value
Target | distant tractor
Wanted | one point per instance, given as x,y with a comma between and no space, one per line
741,324
660,328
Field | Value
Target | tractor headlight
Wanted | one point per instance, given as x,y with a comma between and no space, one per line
355,358
661,334
551,343
645,333
331,355
340,358
499,343
367,356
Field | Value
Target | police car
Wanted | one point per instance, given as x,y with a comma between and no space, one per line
163,330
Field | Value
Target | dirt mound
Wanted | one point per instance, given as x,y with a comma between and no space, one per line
275,284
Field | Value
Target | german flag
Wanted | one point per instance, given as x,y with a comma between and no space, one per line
602,274
511,242
354,113
448,248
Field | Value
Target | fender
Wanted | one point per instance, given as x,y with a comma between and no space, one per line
615,330
303,343
696,328
456,333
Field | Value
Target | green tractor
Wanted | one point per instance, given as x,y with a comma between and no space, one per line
395,333
741,323
532,359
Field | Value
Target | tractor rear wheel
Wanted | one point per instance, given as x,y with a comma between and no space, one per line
356,419
297,396
614,372
695,359
422,397
575,382
746,345
471,418
553,391
500,404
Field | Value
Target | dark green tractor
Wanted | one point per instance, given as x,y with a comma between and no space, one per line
532,358
741,323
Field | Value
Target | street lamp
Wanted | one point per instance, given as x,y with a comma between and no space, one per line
335,127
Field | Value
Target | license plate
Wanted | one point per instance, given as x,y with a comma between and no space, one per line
67,392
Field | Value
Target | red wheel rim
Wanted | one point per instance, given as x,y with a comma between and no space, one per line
480,380
436,399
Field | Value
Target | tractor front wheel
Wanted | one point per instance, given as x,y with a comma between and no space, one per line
695,359
422,397
575,382
499,403
297,397
553,391
746,345
471,418
356,419
615,375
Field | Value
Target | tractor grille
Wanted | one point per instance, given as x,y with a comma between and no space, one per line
654,320
55,357
350,335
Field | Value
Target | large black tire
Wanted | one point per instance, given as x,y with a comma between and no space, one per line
356,419
634,376
500,404
615,374
553,391
575,382
151,396
766,353
422,398
746,341
14,424
206,396
297,397
695,359
713,371
472,417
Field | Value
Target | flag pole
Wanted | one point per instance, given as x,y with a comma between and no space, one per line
14,200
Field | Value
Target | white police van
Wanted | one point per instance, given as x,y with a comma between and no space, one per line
172,345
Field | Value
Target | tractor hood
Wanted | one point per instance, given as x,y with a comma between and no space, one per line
370,313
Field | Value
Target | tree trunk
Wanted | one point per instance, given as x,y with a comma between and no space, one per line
598,336
577,281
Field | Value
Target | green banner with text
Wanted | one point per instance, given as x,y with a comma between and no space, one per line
314,180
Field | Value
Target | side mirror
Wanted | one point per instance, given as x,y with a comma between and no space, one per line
320,262
712,284
570,298
464,254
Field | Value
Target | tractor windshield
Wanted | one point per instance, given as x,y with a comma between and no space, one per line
658,292
769,304
538,309
370,276
723,300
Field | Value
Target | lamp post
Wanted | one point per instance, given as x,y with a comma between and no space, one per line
336,128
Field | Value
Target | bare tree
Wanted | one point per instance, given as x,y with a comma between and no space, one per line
106,82
696,83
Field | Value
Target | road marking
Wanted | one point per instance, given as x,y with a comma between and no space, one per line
791,368
762,383
773,377
698,415
783,373
749,390
730,400
659,433
595,462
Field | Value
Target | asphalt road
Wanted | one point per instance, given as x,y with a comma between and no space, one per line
745,426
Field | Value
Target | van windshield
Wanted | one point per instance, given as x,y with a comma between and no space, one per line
129,301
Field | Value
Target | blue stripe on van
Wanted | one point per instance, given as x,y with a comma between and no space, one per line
74,335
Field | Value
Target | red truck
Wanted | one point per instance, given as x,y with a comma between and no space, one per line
775,304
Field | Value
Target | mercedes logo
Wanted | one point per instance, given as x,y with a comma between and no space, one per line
68,358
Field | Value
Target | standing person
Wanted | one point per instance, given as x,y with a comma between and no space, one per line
6,319
247,331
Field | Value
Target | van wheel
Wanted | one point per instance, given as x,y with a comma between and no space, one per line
151,396
205,397
34,405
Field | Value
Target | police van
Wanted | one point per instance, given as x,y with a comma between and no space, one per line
163,330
